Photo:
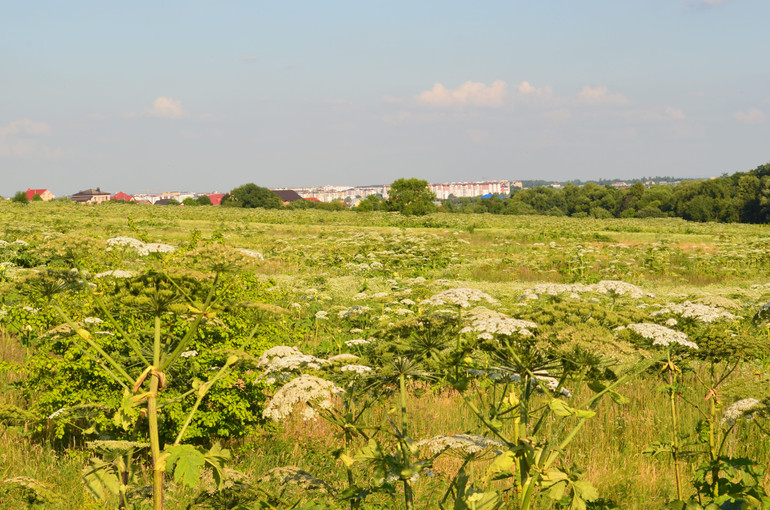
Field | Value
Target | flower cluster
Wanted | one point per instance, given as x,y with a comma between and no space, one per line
358,369
294,476
462,297
140,247
468,444
497,324
661,335
603,287
699,312
745,408
303,389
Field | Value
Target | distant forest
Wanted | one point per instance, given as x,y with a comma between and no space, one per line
740,197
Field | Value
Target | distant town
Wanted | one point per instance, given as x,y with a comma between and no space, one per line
351,195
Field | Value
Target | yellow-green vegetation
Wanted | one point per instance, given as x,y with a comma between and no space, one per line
209,357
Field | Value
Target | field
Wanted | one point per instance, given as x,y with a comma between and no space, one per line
447,361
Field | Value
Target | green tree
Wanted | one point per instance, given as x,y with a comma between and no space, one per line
189,201
20,198
370,203
411,197
203,200
37,198
251,196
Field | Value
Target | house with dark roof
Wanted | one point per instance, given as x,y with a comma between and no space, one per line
287,195
90,196
45,194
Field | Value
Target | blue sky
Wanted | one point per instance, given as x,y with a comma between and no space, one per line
201,96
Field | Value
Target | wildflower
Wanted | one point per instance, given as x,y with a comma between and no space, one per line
500,326
661,335
57,413
462,297
343,357
321,315
356,341
117,273
468,444
358,369
92,320
279,351
745,408
252,254
188,354
295,476
303,389
699,312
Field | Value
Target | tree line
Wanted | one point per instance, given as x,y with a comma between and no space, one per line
741,197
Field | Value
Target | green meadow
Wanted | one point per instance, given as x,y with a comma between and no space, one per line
222,358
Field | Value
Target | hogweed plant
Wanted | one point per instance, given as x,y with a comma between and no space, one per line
142,369
515,386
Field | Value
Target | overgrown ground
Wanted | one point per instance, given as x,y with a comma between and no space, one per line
387,265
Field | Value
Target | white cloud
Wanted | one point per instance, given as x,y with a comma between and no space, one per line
601,95
250,58
17,139
750,116
26,127
675,113
166,108
468,94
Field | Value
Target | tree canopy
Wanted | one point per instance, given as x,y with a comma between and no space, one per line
411,197
251,196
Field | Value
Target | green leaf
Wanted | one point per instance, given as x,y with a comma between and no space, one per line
586,490
584,413
186,462
560,408
100,478
501,466
216,458
128,412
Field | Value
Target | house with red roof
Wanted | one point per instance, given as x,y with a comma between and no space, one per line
45,194
216,198
125,197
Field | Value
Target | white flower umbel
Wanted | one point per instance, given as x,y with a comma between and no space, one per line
699,312
358,369
661,335
291,475
468,444
343,357
462,297
356,341
303,389
499,325
279,351
745,408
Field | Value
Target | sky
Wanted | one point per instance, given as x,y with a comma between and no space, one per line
201,96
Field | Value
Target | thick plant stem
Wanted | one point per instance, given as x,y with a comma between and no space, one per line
408,496
152,417
675,428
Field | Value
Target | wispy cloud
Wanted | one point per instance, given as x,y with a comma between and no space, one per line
707,3
600,96
166,108
675,113
468,94
249,58
750,116
17,139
